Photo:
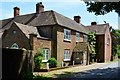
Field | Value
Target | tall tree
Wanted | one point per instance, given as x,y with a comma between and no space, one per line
101,8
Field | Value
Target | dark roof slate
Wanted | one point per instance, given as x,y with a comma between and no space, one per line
45,18
81,46
99,29
27,29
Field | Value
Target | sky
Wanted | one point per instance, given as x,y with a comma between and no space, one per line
68,8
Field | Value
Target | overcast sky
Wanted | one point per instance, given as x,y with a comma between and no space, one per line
67,8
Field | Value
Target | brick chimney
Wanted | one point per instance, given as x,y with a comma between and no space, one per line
93,23
77,19
16,11
39,8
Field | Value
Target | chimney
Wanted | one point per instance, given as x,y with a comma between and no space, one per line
77,19
93,23
16,11
39,8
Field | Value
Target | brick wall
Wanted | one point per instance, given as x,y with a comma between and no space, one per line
40,43
19,38
62,44
107,45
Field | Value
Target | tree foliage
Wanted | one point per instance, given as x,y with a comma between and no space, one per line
116,42
101,8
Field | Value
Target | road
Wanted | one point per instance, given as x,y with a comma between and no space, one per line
110,71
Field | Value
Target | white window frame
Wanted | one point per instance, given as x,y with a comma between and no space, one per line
85,37
77,37
67,35
46,53
66,55
15,46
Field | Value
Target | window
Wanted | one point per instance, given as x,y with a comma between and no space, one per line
77,37
15,46
85,38
14,32
67,34
66,55
46,54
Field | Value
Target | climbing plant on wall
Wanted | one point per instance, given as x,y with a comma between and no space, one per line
92,42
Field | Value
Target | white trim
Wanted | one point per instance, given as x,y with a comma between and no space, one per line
66,59
67,40
44,60
67,34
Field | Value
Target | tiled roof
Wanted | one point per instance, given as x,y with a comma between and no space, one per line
27,29
81,46
45,18
99,29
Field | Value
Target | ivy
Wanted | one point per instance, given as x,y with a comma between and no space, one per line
92,42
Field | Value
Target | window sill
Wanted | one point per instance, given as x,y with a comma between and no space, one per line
67,40
66,59
44,60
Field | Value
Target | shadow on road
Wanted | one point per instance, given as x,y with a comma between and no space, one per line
110,73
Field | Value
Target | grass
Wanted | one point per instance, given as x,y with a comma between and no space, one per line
116,60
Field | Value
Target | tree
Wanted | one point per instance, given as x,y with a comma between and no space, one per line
101,8
116,42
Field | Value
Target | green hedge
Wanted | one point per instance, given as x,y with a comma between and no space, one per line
52,62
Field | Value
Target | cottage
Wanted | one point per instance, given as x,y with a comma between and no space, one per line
60,37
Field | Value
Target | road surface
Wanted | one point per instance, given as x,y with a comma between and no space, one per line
110,71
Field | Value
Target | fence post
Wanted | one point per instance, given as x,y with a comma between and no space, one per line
62,64
47,66
73,63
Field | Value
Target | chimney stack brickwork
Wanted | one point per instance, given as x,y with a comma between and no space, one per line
39,8
77,19
16,11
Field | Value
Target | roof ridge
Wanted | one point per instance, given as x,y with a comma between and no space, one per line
54,16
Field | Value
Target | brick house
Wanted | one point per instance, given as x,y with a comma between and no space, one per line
103,38
56,34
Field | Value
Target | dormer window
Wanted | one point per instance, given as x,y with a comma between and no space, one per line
77,37
67,34
15,46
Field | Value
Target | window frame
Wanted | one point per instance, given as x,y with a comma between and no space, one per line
77,38
85,38
15,46
46,56
67,55
67,35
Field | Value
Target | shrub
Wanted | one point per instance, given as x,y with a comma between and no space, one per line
52,62
38,59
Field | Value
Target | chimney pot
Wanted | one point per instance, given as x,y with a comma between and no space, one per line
16,11
93,23
39,8
77,19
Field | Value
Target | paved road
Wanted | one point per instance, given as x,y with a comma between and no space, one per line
107,71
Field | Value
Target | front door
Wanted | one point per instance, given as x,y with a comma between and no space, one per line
78,58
